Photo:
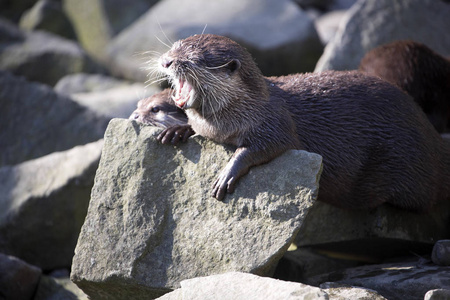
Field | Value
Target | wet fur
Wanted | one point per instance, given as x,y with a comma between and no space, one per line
377,145
419,71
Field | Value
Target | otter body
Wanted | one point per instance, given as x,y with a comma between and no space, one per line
417,70
159,110
377,145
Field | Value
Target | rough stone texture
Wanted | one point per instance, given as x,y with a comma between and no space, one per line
152,222
97,21
51,288
343,292
441,253
404,280
373,23
243,286
43,203
42,56
280,36
47,15
438,294
18,280
36,121
383,232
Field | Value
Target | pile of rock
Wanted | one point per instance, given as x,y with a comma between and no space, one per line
67,67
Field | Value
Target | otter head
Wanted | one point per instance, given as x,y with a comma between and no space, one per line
159,110
206,71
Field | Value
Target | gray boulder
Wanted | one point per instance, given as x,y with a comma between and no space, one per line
152,223
87,83
41,56
441,253
243,286
97,21
395,281
51,288
438,294
36,121
117,102
43,203
373,23
376,234
280,36
105,95
47,15
18,280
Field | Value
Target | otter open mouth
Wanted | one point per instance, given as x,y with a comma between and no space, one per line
183,93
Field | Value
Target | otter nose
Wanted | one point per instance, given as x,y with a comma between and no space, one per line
166,61
134,116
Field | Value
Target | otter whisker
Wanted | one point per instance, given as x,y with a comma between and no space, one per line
221,66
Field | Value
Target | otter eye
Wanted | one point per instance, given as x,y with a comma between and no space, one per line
155,109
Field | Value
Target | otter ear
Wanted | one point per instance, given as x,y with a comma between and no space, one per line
234,65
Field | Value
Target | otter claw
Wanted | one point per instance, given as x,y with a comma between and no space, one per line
224,184
174,134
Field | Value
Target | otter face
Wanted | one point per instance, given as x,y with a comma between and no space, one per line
201,69
159,110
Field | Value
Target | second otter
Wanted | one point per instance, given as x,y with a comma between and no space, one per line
372,154
419,71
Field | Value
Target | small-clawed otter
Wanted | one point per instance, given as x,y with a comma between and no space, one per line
417,70
376,143
159,110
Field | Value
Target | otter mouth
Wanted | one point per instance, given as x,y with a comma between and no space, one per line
183,94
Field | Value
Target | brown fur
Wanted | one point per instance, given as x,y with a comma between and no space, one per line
159,110
419,71
377,145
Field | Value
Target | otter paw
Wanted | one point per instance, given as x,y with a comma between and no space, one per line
174,134
223,184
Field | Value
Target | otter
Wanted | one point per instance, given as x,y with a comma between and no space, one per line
159,110
376,143
417,70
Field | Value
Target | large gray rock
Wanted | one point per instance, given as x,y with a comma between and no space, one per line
105,95
380,233
152,223
395,281
18,280
279,35
47,15
243,286
51,288
42,56
97,21
249,287
117,102
87,83
373,23
36,121
43,203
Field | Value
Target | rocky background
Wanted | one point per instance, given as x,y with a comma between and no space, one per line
67,67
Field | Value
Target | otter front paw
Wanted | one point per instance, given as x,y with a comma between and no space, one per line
174,134
223,184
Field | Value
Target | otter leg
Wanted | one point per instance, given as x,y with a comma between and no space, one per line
174,134
241,161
